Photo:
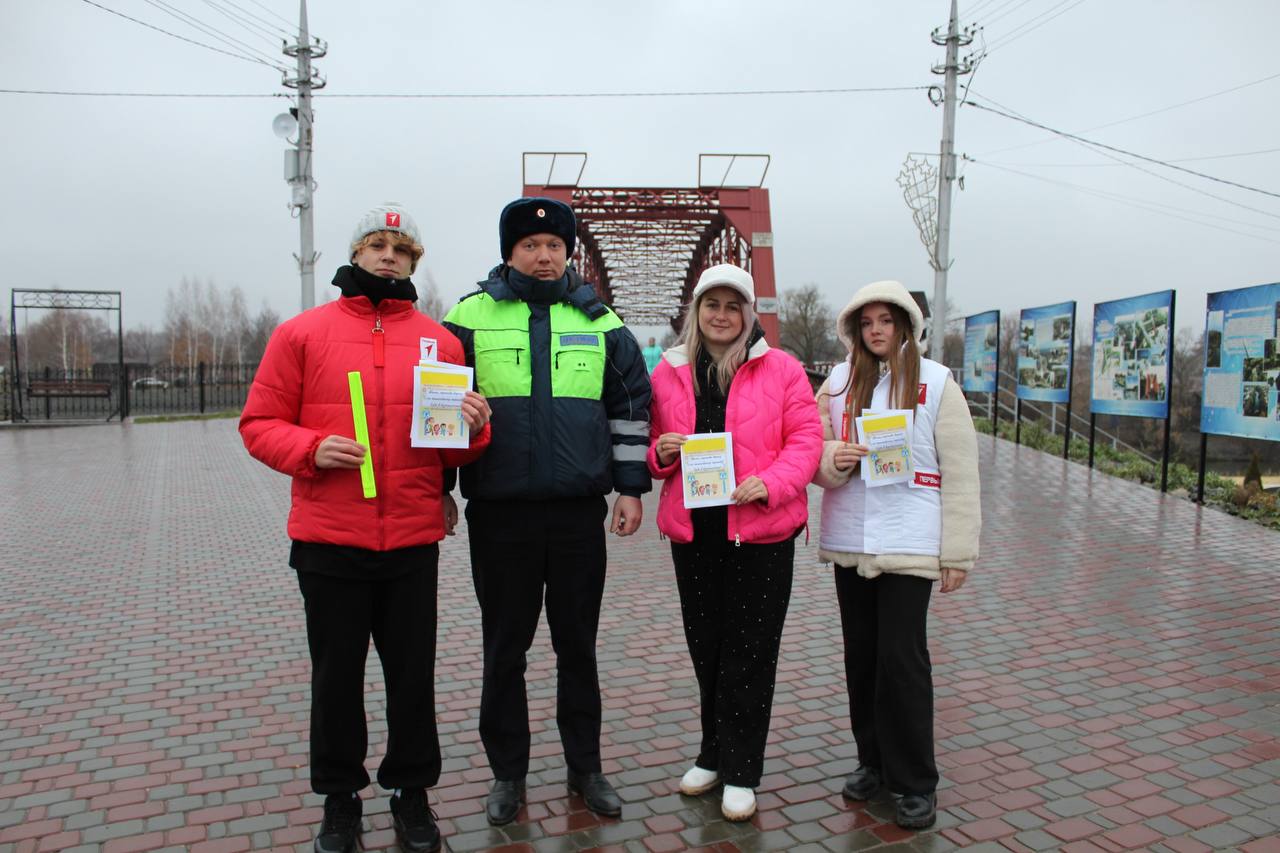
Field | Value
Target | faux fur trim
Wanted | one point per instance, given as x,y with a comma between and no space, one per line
892,292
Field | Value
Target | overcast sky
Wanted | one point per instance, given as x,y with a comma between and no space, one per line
134,194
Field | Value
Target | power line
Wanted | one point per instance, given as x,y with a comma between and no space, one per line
267,26
227,39
996,14
1152,207
1030,25
1178,105
1113,165
271,38
271,11
181,38
1143,157
473,96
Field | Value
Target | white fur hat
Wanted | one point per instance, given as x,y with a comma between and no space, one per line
726,275
891,292
388,216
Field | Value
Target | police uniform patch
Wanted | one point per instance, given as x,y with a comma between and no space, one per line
579,341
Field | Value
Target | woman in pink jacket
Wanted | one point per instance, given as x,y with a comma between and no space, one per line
733,563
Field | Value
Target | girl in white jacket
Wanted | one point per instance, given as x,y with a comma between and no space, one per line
890,543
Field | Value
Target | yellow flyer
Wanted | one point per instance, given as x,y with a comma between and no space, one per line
438,389
887,436
706,469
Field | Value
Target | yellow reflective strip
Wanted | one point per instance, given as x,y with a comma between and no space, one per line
362,433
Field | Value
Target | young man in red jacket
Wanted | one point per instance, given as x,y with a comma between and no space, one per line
365,566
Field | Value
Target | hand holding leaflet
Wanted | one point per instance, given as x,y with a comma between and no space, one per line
888,437
438,389
706,469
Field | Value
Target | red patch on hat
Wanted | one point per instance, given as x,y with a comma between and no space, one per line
393,220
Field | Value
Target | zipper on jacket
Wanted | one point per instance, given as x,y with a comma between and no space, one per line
737,540
379,362
379,342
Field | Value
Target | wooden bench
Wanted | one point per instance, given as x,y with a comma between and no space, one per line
48,388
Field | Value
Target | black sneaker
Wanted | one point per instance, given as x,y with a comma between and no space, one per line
341,825
862,784
917,811
415,824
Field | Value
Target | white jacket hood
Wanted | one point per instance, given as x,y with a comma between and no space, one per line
891,292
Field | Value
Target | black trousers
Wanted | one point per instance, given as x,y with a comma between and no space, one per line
733,599
400,614
889,675
521,552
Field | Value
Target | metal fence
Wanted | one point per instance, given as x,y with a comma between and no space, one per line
99,393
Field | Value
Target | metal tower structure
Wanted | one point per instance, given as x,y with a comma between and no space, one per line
644,247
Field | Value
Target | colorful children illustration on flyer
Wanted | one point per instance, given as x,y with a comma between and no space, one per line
888,436
438,389
706,469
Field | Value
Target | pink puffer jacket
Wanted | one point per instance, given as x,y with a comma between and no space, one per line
777,436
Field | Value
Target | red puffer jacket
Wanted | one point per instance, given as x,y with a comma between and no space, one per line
300,396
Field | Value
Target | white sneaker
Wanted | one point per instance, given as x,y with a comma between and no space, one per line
698,781
738,803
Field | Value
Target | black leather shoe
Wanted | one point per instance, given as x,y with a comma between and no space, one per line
917,811
415,825
598,793
862,783
504,802
341,824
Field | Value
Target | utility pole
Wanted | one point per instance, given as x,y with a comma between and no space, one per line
305,83
953,41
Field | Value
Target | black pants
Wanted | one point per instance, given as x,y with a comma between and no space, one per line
522,551
733,599
890,678
400,614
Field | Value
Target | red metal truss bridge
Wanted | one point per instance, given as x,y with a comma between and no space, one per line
644,247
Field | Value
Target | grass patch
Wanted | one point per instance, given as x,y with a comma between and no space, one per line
164,419
1247,502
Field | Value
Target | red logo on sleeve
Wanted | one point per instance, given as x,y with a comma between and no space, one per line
924,392
393,220
930,481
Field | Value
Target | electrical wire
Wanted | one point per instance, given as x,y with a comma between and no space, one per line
267,26
1142,157
175,35
1028,27
271,11
270,38
1113,165
470,96
997,15
1151,207
227,39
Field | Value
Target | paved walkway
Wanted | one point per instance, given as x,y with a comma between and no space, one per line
1108,679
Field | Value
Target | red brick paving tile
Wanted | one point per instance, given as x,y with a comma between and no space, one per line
1132,837
664,843
840,824
1154,763
1072,829
1262,845
208,786
1083,847
36,829
234,844
1082,763
59,841
803,793
215,814
984,809
664,823
1198,816
135,810
892,833
569,823
1186,845
1152,806
292,835
1012,801
136,844
987,830
769,819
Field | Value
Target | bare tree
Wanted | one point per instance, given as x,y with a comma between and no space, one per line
238,323
429,301
807,326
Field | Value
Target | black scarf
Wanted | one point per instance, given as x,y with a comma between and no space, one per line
537,290
354,281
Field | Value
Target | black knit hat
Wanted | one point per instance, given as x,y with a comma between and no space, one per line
536,215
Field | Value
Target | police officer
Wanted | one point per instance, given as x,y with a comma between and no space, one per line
570,398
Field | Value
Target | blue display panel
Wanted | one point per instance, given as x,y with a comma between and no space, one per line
981,344
1132,354
1242,363
1046,341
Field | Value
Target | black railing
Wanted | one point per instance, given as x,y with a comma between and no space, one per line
99,394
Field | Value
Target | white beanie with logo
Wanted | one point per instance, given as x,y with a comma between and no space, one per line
388,216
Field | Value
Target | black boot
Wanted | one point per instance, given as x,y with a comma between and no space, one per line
415,825
341,824
862,783
597,792
504,802
917,811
